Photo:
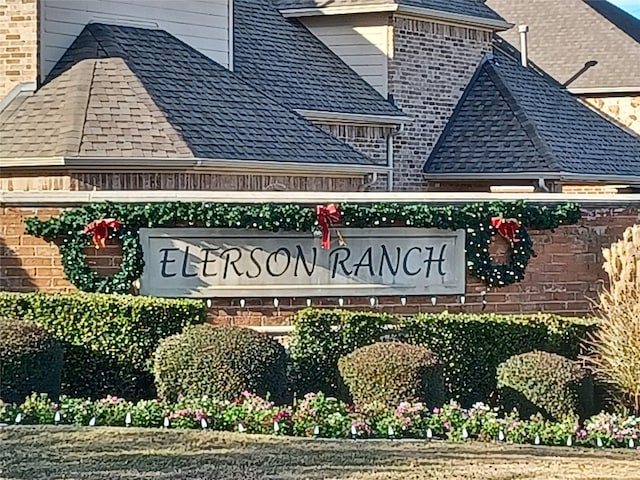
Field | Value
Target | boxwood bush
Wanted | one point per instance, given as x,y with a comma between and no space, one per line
220,362
546,383
108,339
389,373
30,361
470,346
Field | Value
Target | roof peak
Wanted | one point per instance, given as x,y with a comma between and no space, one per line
516,121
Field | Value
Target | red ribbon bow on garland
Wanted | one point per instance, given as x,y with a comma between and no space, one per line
327,216
99,229
507,227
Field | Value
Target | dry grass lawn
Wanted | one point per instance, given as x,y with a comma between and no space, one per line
118,454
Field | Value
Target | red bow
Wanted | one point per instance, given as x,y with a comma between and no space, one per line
99,229
507,227
326,217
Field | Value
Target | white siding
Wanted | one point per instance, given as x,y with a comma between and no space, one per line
203,24
362,41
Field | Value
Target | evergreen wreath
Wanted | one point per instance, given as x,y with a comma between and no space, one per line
475,219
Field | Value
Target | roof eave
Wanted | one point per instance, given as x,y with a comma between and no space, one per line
492,24
199,164
354,118
337,10
559,176
604,90
420,12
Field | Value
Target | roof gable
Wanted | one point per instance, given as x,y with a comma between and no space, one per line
283,59
566,37
128,91
514,120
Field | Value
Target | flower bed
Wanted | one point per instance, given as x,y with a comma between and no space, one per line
319,416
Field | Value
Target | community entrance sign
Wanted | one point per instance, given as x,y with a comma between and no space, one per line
200,263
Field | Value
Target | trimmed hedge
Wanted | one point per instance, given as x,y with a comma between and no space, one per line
221,363
470,346
30,361
108,339
545,383
320,338
389,373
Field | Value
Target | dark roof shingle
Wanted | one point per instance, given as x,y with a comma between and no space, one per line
515,120
284,59
565,35
119,90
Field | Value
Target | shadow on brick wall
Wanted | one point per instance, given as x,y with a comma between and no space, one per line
13,276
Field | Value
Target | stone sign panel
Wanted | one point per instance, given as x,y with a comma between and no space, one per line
201,263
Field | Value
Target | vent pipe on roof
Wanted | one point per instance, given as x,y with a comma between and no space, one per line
524,55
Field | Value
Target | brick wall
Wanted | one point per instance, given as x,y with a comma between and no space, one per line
624,109
591,189
18,43
368,140
89,181
564,276
431,66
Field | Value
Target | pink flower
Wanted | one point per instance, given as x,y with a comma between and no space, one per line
282,415
111,400
200,415
436,411
447,425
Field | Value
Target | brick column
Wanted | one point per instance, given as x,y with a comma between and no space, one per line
430,68
18,43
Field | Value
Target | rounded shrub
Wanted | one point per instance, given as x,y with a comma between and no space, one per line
546,383
392,372
30,361
220,362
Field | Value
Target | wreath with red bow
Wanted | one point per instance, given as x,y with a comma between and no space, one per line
499,275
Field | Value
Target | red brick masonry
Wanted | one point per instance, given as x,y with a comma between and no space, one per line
563,278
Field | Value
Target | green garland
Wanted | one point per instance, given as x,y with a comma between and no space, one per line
475,219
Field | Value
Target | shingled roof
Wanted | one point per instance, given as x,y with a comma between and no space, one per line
566,35
132,92
472,8
516,122
285,60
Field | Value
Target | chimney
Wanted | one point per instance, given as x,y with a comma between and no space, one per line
524,55
18,44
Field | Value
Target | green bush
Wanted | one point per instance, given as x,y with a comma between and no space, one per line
546,383
470,346
320,338
221,362
30,361
389,373
108,339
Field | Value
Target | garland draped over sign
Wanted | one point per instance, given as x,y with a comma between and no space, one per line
476,219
